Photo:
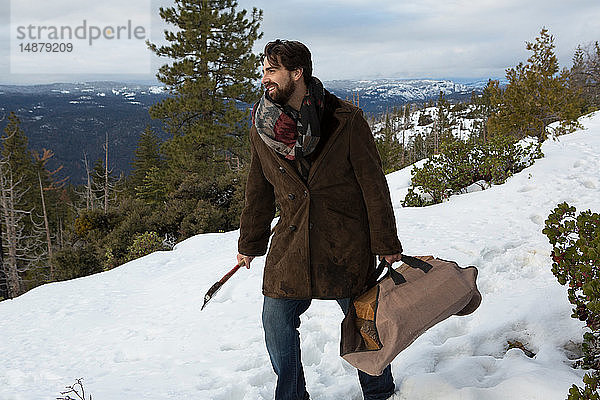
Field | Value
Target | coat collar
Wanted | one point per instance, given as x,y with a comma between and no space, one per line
340,112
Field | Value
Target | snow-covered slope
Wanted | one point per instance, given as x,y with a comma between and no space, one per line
137,332
461,124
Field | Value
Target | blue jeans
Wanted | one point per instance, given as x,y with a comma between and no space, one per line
281,319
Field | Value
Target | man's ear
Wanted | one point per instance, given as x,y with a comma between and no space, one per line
298,72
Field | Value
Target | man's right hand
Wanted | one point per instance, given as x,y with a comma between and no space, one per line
247,260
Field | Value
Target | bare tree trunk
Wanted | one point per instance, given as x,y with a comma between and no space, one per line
89,204
435,138
8,212
61,243
405,111
3,267
46,226
106,174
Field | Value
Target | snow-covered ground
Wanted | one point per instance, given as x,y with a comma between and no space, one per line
137,332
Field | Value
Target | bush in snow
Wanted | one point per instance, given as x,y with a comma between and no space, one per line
143,244
462,163
75,262
576,263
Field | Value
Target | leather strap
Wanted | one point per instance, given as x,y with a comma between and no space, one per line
396,276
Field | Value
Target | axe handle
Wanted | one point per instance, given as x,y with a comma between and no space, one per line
215,288
228,275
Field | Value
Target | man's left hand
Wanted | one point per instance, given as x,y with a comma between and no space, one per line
392,258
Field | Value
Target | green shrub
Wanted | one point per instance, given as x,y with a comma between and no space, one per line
143,244
576,263
76,262
462,163
200,205
91,220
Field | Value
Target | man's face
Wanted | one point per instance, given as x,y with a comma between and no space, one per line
278,82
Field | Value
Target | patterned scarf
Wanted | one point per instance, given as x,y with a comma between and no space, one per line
293,134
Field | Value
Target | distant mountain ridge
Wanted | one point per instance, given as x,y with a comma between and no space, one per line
73,118
378,94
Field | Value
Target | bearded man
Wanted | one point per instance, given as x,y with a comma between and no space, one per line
314,156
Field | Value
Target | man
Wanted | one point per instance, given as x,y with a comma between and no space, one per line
314,156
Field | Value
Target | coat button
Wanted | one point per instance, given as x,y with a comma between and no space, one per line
306,193
310,225
291,196
282,170
292,228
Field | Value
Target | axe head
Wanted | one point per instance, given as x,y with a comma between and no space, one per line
211,292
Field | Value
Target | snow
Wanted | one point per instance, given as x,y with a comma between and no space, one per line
136,332
156,89
408,89
461,125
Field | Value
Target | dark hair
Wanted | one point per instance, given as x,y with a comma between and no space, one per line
291,54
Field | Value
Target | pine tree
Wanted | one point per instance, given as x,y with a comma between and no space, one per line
536,95
16,153
147,157
388,145
212,80
212,76
584,76
152,188
487,105
441,126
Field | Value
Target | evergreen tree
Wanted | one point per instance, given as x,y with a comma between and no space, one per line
389,147
16,154
441,127
536,95
152,188
406,124
584,76
212,79
486,105
213,74
147,157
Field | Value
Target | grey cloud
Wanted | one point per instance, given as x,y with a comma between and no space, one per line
357,39
428,37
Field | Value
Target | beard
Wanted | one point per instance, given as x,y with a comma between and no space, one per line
281,95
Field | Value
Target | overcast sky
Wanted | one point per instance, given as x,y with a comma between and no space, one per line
364,39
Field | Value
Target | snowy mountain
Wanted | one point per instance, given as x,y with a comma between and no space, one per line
136,332
99,88
377,95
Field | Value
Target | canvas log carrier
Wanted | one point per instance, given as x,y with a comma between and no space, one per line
406,302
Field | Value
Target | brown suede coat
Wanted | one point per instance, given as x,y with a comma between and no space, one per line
330,226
